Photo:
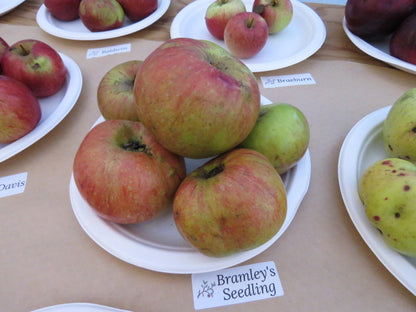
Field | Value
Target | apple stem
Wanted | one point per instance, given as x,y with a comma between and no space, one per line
134,146
25,52
213,172
250,22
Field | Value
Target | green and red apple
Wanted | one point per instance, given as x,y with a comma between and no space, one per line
137,10
219,13
388,191
246,34
37,65
124,174
19,110
281,134
233,203
115,92
101,15
196,98
277,13
65,10
4,46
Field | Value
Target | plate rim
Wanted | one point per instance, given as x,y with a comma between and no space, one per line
67,102
43,15
11,5
316,42
376,53
348,182
294,197
81,306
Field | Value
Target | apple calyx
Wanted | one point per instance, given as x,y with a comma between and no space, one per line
136,146
259,9
207,174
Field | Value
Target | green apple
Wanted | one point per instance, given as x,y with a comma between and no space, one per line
388,191
399,128
281,133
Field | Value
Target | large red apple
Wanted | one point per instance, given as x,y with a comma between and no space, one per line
4,46
101,15
115,92
124,173
246,34
65,10
37,65
403,40
137,10
219,13
374,19
196,98
277,13
233,203
19,110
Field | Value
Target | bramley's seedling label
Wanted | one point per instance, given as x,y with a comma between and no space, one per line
13,184
236,285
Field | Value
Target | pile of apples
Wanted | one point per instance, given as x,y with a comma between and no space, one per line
379,19
29,70
101,15
388,187
191,101
246,33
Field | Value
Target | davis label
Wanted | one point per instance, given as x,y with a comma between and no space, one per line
236,285
13,184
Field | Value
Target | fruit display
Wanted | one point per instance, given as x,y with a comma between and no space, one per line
101,15
387,187
375,20
247,33
30,70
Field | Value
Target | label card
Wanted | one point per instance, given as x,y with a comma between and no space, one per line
12,185
100,52
236,285
287,80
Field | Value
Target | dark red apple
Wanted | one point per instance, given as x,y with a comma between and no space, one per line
37,65
65,10
403,41
4,46
372,19
137,10
19,110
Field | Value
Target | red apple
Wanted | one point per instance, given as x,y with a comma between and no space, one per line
277,13
101,15
115,92
219,13
65,10
124,174
137,10
37,65
19,110
246,34
4,46
403,40
233,203
374,19
196,98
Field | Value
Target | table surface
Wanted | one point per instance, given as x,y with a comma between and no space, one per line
323,263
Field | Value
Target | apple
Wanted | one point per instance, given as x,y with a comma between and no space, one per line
115,92
246,34
281,134
219,13
375,19
234,202
101,15
137,10
65,10
4,46
277,13
388,191
196,98
403,40
37,65
19,110
124,174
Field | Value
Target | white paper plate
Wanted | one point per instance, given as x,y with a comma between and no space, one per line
8,5
79,307
157,245
362,147
75,30
379,50
54,109
302,37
